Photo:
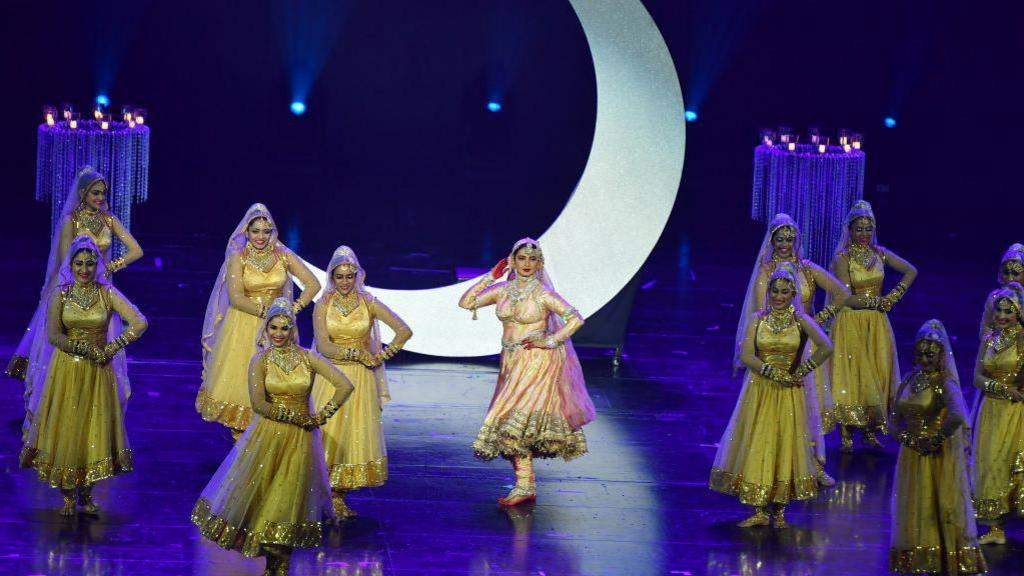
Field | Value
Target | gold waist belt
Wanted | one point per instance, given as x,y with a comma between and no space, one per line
265,296
296,402
360,343
91,335
872,291
781,362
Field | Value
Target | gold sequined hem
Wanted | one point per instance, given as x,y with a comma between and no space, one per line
1010,500
365,475
763,494
250,542
67,478
932,560
859,416
17,367
233,416
521,434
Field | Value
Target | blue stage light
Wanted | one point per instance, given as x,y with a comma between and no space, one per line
298,108
691,116
102,99
890,122
494,106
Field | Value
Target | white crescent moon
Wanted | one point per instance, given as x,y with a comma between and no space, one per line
621,203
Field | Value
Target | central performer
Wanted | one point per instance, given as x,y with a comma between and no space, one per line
541,403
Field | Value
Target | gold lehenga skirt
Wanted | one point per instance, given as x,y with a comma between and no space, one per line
77,435
766,455
224,395
999,459
353,438
526,417
933,520
271,489
864,368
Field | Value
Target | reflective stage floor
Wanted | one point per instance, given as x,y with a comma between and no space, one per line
636,505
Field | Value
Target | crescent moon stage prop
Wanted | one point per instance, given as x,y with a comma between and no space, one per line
621,203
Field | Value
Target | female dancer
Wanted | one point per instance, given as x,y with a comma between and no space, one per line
865,370
1011,269
77,434
782,244
999,428
345,323
84,212
540,404
933,518
766,456
255,271
271,493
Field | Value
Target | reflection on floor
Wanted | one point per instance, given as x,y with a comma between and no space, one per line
638,504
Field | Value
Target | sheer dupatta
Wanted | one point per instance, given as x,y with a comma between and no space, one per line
956,446
572,389
219,302
34,345
42,349
345,255
764,256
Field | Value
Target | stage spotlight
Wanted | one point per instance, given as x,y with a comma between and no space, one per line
298,108
102,99
890,122
691,116
494,106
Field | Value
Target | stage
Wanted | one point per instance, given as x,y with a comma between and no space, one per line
637,504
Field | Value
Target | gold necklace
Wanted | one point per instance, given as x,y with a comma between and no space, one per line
286,357
863,255
923,380
263,260
84,295
779,320
1005,338
91,221
345,303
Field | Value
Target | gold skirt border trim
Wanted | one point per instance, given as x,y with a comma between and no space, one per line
521,434
364,475
233,416
859,416
1010,500
753,494
932,559
68,478
250,542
